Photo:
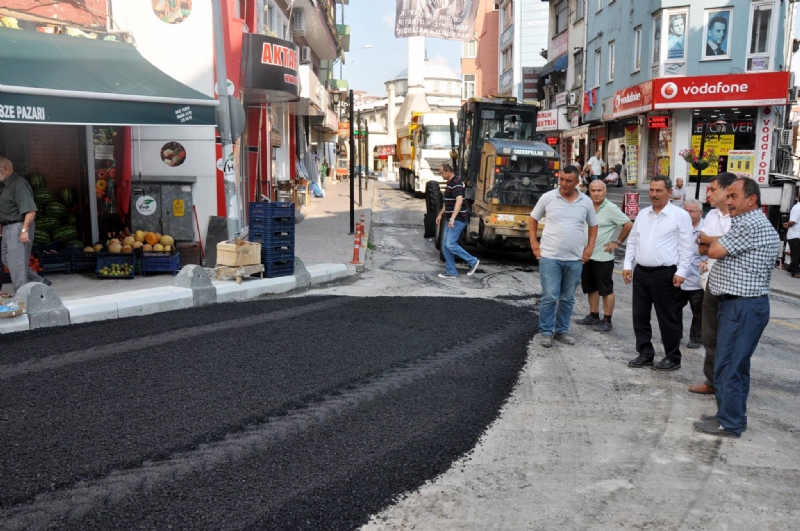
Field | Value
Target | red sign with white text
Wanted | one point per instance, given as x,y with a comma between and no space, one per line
730,90
633,100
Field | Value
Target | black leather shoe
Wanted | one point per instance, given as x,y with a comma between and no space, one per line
667,365
713,427
708,416
641,361
46,282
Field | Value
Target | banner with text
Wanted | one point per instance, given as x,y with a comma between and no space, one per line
443,19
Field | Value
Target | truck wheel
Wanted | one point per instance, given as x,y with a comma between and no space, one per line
433,197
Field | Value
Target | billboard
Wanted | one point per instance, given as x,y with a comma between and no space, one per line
443,19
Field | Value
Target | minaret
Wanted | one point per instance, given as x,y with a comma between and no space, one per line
415,100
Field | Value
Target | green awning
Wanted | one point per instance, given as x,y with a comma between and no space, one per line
70,80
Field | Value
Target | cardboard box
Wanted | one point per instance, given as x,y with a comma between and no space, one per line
238,253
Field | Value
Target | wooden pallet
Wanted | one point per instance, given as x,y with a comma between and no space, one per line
238,271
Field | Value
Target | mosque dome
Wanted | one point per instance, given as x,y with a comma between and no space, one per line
439,81
431,71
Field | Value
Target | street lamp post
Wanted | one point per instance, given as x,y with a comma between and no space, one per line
346,108
360,158
367,152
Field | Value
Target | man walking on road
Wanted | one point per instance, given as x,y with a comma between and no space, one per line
17,215
597,276
740,281
561,253
457,218
596,166
690,291
715,225
660,244
793,239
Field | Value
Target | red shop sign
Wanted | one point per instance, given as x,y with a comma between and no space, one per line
633,100
730,90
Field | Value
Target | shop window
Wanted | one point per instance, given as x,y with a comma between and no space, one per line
507,58
758,51
597,59
468,86
469,49
173,154
599,5
611,49
562,17
637,48
172,11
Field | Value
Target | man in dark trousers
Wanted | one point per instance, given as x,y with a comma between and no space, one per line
691,292
660,244
17,215
740,282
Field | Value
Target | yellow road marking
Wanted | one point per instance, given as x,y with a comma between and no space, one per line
787,324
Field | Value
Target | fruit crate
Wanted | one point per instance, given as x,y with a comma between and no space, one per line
82,261
156,254
108,259
279,268
161,264
53,256
265,211
266,227
275,254
272,239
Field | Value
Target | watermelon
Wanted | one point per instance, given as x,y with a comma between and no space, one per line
69,196
40,237
71,220
75,243
39,206
55,210
44,196
64,233
37,181
46,223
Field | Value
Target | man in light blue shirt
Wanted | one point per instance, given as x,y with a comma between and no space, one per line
561,253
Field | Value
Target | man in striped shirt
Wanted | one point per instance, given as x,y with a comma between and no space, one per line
457,218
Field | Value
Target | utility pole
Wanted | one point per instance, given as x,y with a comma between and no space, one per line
360,158
224,126
352,165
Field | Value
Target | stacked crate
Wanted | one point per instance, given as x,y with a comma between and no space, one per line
272,225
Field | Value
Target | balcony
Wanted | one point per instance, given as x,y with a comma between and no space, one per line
344,36
319,27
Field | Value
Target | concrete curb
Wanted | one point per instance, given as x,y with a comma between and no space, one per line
156,300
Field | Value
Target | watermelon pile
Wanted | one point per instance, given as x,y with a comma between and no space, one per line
53,221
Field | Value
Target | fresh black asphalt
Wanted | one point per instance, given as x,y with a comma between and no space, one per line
306,413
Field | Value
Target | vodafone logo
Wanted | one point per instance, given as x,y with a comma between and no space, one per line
669,90
616,102
626,98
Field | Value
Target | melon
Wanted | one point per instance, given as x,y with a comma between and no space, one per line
147,247
168,248
114,240
89,250
151,238
68,196
167,240
55,210
139,236
44,196
98,247
136,245
127,249
158,247
64,233
128,240
114,247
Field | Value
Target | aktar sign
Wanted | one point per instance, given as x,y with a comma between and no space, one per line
758,89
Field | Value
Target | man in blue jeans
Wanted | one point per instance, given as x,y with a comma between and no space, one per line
561,253
457,218
740,282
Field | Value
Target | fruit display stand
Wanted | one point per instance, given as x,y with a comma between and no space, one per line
116,265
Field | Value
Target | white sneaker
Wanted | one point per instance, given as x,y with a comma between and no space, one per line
443,275
473,268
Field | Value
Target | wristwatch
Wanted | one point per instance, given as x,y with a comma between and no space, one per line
618,243
24,230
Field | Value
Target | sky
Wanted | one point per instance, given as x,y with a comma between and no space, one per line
372,22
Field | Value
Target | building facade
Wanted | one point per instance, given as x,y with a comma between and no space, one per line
479,56
523,31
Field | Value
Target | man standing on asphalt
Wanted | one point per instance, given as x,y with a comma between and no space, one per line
740,281
660,244
561,253
17,215
597,276
715,225
793,239
691,291
457,218
596,166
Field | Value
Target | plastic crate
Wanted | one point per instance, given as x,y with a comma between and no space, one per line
156,254
263,227
82,261
161,264
279,268
261,211
276,254
53,256
107,259
277,239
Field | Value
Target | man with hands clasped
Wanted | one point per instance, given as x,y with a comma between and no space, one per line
661,246
561,253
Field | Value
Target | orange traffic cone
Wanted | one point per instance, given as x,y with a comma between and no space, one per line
355,259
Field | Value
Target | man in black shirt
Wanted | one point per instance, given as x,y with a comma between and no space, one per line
457,219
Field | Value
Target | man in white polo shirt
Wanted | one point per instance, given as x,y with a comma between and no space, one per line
660,244
561,253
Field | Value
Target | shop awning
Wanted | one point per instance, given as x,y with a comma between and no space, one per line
559,64
70,80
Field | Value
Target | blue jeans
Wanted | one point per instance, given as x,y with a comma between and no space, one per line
560,279
451,248
741,323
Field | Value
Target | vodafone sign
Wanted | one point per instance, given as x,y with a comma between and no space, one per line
633,100
730,90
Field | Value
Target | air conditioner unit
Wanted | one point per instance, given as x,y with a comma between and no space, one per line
305,55
299,22
573,99
793,95
786,137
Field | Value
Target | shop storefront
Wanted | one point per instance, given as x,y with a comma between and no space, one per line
69,111
552,122
627,133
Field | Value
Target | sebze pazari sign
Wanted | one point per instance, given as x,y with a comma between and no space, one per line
444,19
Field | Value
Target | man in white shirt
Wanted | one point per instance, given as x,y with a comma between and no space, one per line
793,239
715,225
660,244
679,192
596,166
691,292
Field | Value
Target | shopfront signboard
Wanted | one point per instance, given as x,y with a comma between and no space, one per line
730,90
741,162
764,129
552,120
633,100
658,122
271,67
386,151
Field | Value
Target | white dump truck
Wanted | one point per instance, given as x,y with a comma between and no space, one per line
422,146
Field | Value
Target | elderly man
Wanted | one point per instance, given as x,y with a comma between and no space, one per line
17,215
740,282
660,244
561,253
715,225
597,276
691,292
